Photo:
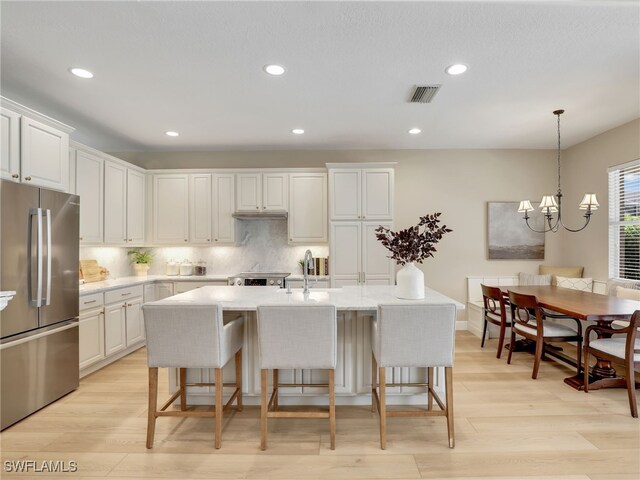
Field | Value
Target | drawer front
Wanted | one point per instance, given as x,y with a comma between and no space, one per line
94,300
123,294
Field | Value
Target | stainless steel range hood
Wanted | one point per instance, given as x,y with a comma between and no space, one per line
271,215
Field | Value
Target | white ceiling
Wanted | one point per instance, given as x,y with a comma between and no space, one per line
197,68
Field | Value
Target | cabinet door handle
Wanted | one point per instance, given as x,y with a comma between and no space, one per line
81,238
208,239
364,277
90,301
186,240
131,239
129,305
15,175
28,179
257,208
216,239
125,294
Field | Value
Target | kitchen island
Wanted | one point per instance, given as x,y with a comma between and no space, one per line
356,306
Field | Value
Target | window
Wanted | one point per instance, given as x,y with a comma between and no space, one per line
624,221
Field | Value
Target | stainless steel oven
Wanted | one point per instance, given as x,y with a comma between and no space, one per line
259,279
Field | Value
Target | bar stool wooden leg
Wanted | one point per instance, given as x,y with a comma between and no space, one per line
332,408
449,399
153,405
218,415
276,382
263,410
183,389
383,408
374,381
430,388
239,406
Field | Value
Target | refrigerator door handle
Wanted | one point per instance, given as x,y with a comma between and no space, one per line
47,300
37,212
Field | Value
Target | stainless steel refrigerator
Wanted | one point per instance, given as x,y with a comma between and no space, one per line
39,232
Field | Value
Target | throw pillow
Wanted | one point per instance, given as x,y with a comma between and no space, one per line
571,272
628,293
583,284
531,279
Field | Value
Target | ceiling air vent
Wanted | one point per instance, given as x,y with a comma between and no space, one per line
424,93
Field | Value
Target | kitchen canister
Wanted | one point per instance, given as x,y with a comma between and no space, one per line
186,268
172,268
200,268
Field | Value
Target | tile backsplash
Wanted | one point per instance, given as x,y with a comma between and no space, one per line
261,245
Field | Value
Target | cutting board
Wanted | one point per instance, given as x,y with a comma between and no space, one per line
91,271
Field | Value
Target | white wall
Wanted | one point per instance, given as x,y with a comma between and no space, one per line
458,183
584,168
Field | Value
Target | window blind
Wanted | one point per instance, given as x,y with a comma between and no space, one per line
624,221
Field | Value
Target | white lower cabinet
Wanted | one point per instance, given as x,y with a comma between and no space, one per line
91,337
114,328
357,257
134,321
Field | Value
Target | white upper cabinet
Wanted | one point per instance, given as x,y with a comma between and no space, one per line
308,207
377,194
34,148
115,203
10,145
135,206
256,191
200,208
44,155
223,208
275,191
89,186
361,194
249,192
344,194
171,208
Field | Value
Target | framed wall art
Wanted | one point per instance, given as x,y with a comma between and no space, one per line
509,238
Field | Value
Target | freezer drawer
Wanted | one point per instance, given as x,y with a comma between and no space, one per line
37,370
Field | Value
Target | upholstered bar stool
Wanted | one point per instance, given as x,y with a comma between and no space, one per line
413,336
495,312
296,336
191,336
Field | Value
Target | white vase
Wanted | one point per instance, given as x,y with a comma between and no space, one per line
410,280
141,269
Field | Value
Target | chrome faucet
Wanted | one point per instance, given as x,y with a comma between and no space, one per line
308,265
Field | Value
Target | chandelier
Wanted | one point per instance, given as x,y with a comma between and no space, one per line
551,204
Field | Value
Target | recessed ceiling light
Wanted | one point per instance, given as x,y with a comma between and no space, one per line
456,69
81,72
297,131
171,133
274,69
415,131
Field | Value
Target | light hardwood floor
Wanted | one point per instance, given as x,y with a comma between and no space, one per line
507,426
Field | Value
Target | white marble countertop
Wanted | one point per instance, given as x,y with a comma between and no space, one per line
122,282
365,297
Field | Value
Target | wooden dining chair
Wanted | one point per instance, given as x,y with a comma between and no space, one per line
619,349
528,320
496,311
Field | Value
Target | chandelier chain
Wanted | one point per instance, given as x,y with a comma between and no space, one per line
559,181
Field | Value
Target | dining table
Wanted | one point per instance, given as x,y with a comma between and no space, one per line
584,306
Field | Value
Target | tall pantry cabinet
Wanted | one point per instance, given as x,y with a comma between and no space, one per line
360,200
